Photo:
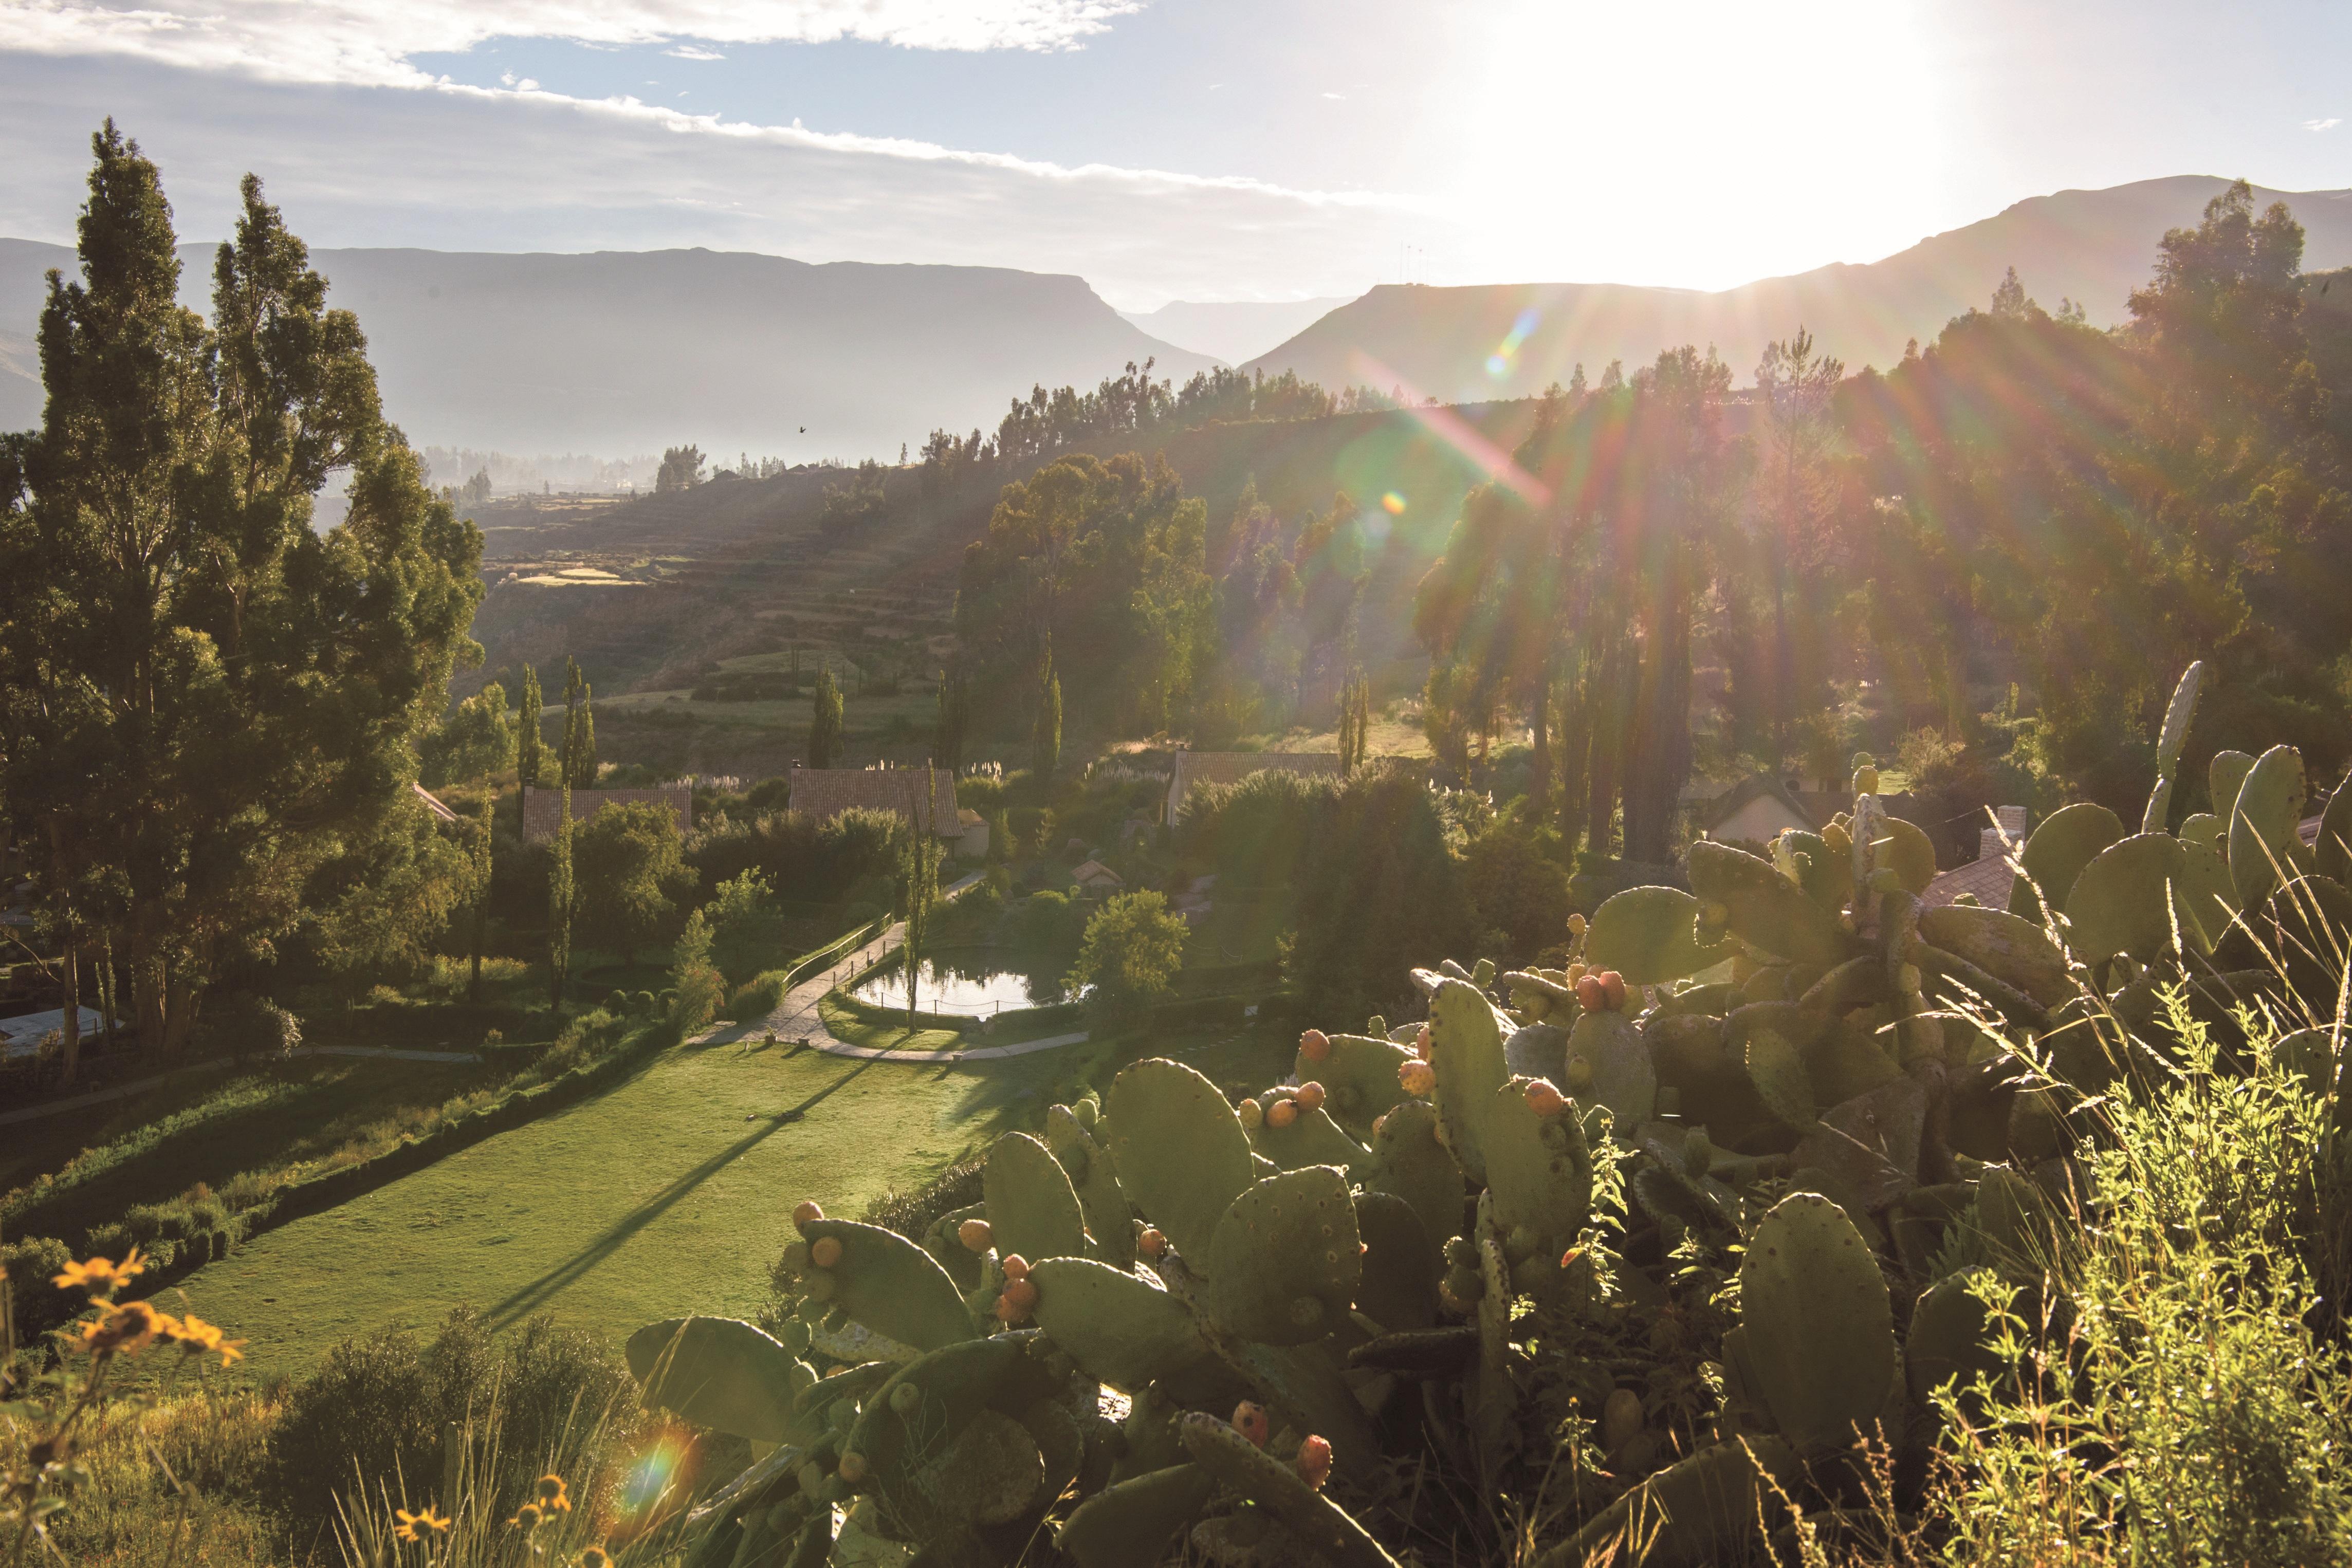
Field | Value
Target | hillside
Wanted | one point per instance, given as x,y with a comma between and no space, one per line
664,593
1232,330
2092,247
626,352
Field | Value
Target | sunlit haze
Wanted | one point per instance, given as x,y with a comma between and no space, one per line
1212,149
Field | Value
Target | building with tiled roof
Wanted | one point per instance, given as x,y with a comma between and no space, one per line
826,793
1991,875
542,808
1230,768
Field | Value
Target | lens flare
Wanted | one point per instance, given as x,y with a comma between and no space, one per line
1393,504
655,1479
1454,431
1498,363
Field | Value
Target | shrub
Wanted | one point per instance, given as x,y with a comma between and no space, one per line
642,1003
698,987
1132,950
252,1029
28,1265
756,1000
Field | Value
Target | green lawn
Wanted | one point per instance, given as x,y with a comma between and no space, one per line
207,1125
850,1029
670,1194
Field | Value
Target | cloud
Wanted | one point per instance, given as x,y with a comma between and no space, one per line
693,52
364,43
466,168
1337,97
2328,124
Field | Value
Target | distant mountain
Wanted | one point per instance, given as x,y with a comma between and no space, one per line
1230,329
626,352
2092,247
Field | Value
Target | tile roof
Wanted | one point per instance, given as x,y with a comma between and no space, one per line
541,807
826,793
1093,870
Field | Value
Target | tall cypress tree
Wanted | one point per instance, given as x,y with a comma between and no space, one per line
584,771
481,857
558,907
1045,736
530,743
824,722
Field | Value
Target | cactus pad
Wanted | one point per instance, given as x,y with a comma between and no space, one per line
2224,777
1909,851
1465,1036
1767,910
1650,936
1399,1289
1869,1145
2332,855
1118,1327
1695,1513
1950,1337
1821,1333
1317,1521
1770,1039
1129,1525
1032,1210
1286,1262
1538,1170
1361,1074
892,1286
2007,946
1410,1162
717,1373
2066,841
1538,1051
1622,1076
2264,847
2123,901
1314,1139
1182,1155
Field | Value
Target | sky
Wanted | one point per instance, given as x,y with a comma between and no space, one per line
1170,148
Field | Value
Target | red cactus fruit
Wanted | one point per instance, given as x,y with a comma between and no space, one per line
806,1213
1613,984
852,1468
1545,1099
1315,1461
1315,1045
1019,1300
975,1235
1282,1113
1591,994
1015,1267
825,1251
1153,1243
1249,1421
1310,1096
1418,1078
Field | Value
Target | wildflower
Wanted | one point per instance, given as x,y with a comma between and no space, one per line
527,1518
553,1495
98,1274
198,1337
130,1328
424,1519
595,1557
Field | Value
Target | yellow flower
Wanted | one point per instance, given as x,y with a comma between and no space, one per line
198,1337
128,1328
98,1274
424,1519
527,1517
552,1493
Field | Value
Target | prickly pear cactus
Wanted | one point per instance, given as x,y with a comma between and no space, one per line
1820,1332
2265,847
1182,1155
1466,1044
1650,935
1761,907
1285,1260
2054,855
1032,1208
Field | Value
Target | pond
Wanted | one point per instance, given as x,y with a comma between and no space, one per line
979,983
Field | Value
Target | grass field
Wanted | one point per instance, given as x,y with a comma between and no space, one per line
207,1126
670,1194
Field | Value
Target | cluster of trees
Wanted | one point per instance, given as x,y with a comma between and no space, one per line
2028,500
1130,404
209,709
1100,588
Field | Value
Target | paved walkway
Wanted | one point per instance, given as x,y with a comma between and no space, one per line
799,1018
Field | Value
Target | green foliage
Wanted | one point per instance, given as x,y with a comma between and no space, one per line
1046,732
529,742
1131,951
1519,885
576,762
1381,895
476,741
631,872
387,901
563,900
206,697
252,1029
824,721
745,930
681,469
698,988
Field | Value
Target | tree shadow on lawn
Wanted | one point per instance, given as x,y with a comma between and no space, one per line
533,1296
